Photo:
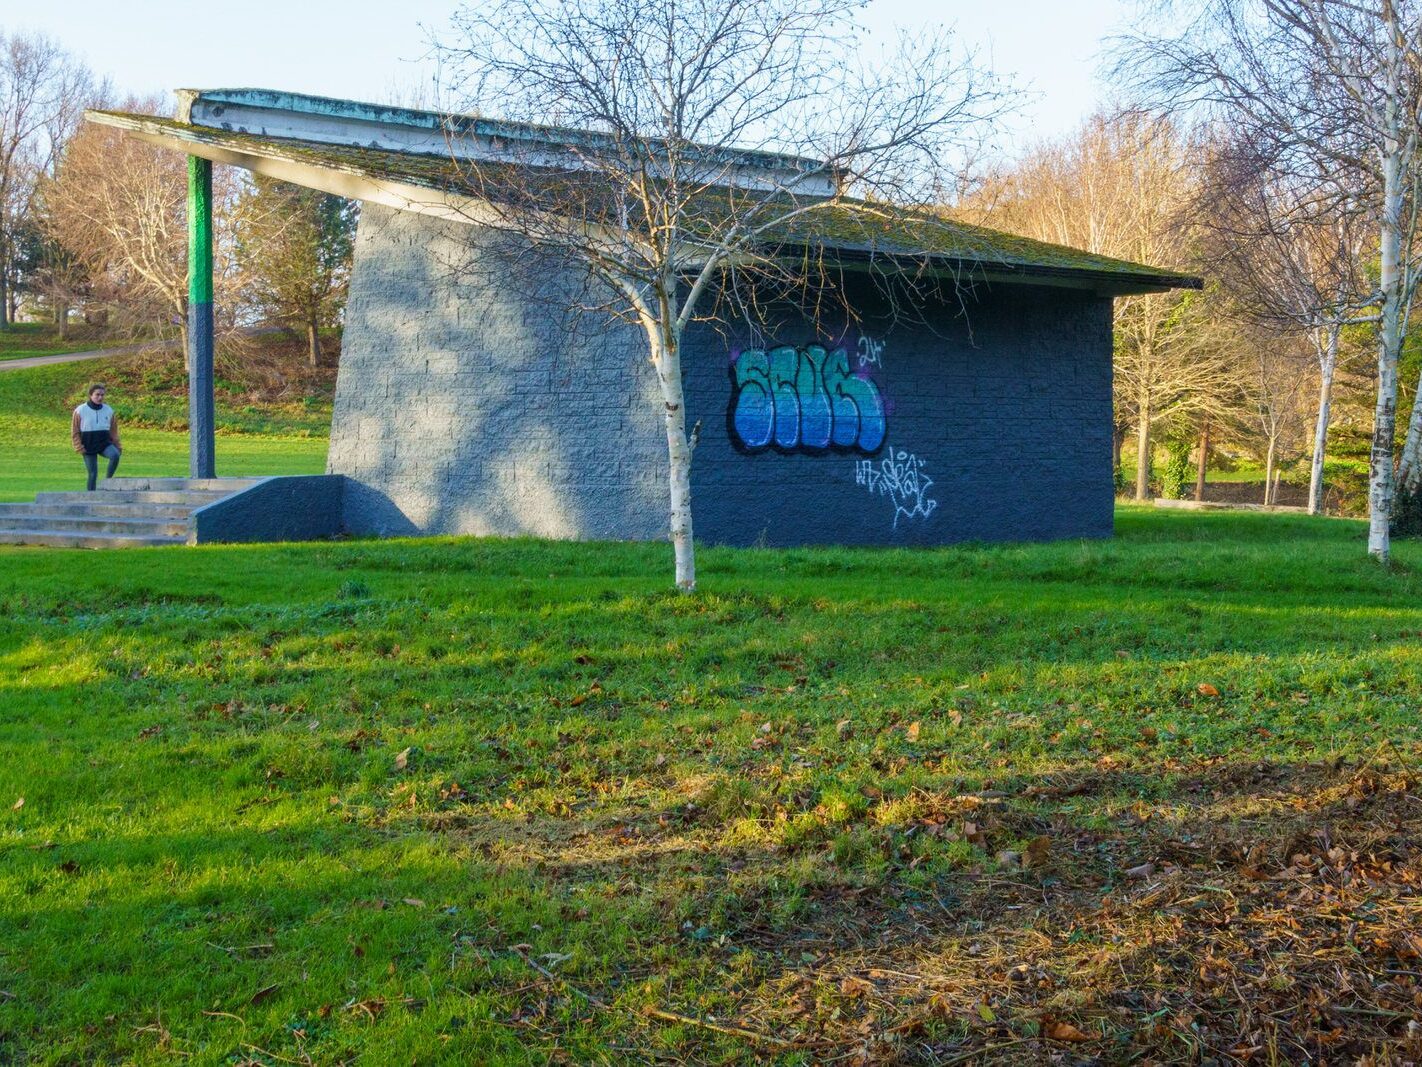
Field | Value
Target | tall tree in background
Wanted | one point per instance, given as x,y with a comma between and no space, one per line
1278,370
52,276
294,247
1304,82
118,207
43,93
678,89
1119,187
1293,261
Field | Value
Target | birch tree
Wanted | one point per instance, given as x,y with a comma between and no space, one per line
1293,261
652,204
1306,81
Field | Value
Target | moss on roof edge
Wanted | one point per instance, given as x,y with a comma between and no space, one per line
958,241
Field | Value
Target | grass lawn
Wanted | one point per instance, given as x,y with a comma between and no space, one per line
480,801
25,339
35,405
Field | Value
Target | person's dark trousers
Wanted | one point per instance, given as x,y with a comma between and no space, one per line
92,463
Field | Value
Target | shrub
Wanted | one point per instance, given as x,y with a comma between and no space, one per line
1407,514
1175,475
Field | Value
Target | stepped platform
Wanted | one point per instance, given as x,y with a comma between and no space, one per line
147,512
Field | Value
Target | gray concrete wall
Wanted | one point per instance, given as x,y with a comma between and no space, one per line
465,405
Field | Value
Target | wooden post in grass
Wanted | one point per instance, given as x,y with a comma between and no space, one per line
202,446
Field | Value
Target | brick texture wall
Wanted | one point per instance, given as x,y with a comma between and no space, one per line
469,403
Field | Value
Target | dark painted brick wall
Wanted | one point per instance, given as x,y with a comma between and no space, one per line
1004,405
295,508
465,406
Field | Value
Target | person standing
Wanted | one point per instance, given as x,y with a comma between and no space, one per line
95,432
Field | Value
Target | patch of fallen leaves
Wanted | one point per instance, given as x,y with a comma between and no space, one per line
1293,933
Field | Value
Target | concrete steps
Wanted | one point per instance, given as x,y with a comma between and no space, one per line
189,498
218,485
53,539
107,511
41,520
122,513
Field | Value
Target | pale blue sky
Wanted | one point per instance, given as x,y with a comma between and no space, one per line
364,49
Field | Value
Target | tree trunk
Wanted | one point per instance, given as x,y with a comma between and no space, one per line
1381,487
1143,453
666,358
1409,467
1202,464
1118,443
5,317
1328,360
1269,471
61,321
313,343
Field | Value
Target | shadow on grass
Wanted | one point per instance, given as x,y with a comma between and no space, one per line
1248,906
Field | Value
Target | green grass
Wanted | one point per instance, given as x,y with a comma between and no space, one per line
35,406
506,801
25,339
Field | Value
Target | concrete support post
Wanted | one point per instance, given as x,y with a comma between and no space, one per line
202,445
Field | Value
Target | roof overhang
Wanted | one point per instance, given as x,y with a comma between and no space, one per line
985,269
347,182
412,131
335,167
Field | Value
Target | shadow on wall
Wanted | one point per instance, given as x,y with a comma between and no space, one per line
470,401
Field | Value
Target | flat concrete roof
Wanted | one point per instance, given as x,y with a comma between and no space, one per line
403,166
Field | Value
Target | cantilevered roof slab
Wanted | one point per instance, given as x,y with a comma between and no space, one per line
453,167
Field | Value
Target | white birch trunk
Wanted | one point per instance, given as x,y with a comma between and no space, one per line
666,358
1327,362
1269,471
1409,467
1381,486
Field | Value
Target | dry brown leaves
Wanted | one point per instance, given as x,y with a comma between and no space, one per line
1278,921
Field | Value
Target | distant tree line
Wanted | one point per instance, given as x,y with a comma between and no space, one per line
1313,114
1271,146
1246,369
94,222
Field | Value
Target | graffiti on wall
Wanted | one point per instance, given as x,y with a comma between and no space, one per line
803,399
898,477
870,352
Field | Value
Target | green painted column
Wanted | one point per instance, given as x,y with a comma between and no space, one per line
202,444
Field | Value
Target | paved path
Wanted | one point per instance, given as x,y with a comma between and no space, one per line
73,357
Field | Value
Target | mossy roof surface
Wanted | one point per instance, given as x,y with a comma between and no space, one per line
845,226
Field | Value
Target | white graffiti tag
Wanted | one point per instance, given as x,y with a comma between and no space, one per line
870,352
899,477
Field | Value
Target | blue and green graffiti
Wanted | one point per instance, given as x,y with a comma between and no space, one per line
803,399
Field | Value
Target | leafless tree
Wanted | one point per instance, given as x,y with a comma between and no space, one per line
655,204
1117,187
118,206
294,247
1279,370
1307,81
43,93
1292,261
